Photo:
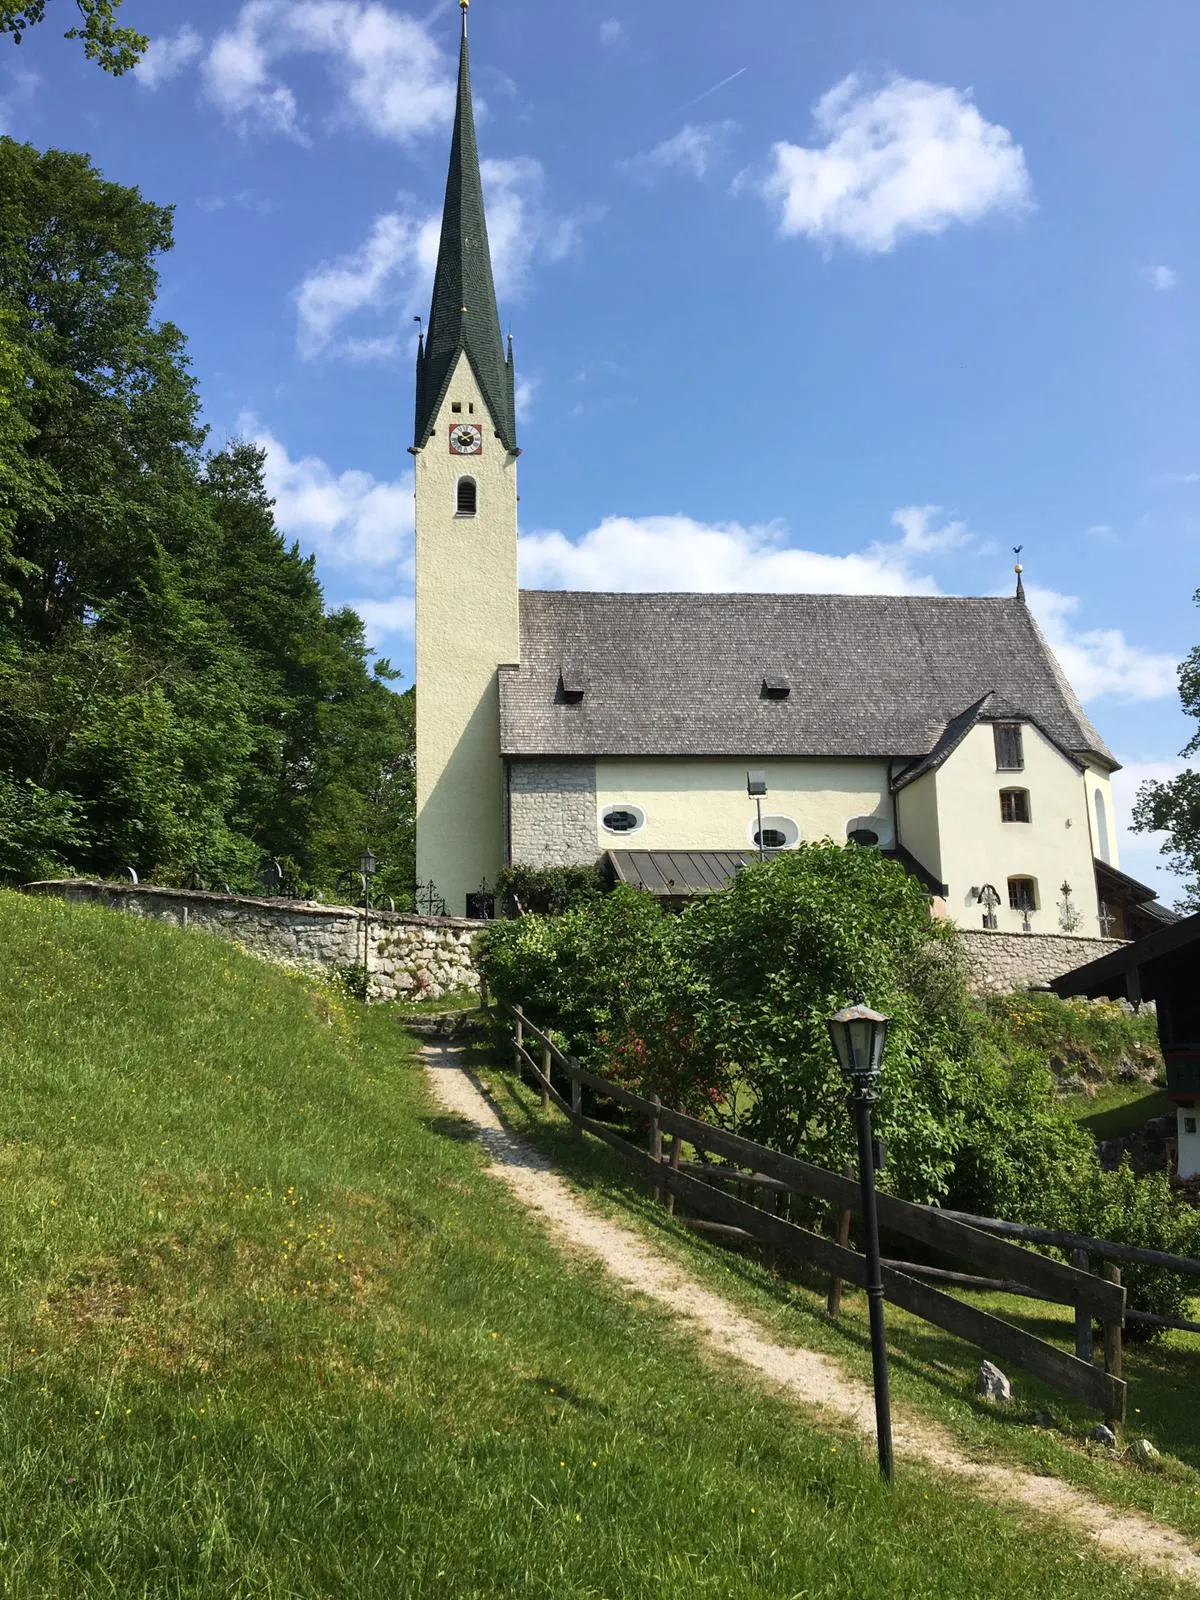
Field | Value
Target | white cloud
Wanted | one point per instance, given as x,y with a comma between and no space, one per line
348,518
1176,478
1102,531
911,157
391,269
691,150
525,391
167,56
666,552
24,85
389,75
385,619
1101,661
392,272
612,31
1160,278
920,535
1142,853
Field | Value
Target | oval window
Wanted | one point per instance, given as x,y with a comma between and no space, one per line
623,819
869,831
778,833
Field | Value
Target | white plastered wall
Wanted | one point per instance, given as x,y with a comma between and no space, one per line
1103,817
917,814
467,625
1188,1118
1054,847
699,804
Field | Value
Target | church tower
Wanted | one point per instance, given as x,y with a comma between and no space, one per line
467,623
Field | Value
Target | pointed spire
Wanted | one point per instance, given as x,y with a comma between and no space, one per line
463,316
1020,571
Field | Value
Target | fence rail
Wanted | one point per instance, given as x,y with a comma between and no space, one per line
747,1165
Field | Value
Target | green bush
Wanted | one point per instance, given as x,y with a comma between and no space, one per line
1077,1029
1139,1211
547,891
723,1010
609,981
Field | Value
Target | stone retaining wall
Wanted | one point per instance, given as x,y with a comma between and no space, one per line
409,958
427,957
1002,962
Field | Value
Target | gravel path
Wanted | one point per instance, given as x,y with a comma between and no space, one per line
813,1379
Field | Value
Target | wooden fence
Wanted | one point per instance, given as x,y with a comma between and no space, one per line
747,1165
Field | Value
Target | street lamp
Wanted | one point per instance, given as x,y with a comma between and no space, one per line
368,866
756,788
859,1036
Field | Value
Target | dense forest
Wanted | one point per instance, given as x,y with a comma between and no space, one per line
174,695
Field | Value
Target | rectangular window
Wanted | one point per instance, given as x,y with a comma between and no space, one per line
1009,755
456,407
1014,805
1022,894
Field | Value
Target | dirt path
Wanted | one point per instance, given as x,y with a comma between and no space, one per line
813,1379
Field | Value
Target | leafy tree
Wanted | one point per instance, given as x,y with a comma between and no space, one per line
26,486
1173,807
168,669
112,47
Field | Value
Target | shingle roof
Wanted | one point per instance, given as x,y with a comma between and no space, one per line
682,674
463,315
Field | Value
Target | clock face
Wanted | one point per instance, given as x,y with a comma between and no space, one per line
466,439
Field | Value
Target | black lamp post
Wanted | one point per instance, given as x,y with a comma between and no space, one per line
368,866
859,1036
756,788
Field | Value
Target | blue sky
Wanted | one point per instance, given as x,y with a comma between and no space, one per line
805,296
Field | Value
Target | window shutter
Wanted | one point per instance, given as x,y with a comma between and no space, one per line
1010,756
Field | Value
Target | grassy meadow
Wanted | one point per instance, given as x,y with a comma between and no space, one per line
269,1331
931,1371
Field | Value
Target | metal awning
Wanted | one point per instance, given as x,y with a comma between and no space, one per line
677,874
683,874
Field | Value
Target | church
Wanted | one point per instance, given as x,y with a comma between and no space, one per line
674,737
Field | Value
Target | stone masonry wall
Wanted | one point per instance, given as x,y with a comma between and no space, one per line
1001,962
552,813
410,958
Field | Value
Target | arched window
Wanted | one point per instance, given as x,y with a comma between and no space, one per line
1102,844
1022,894
467,503
1014,805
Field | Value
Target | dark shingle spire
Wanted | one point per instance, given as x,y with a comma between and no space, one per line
463,316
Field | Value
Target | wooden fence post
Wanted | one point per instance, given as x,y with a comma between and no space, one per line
656,1143
518,1037
834,1303
1114,1356
676,1152
545,1076
576,1105
1083,1317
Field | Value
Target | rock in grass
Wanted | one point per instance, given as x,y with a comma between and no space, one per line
992,1384
1143,1454
1102,1435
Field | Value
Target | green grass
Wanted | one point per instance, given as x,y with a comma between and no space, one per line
1121,1108
270,1331
931,1371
